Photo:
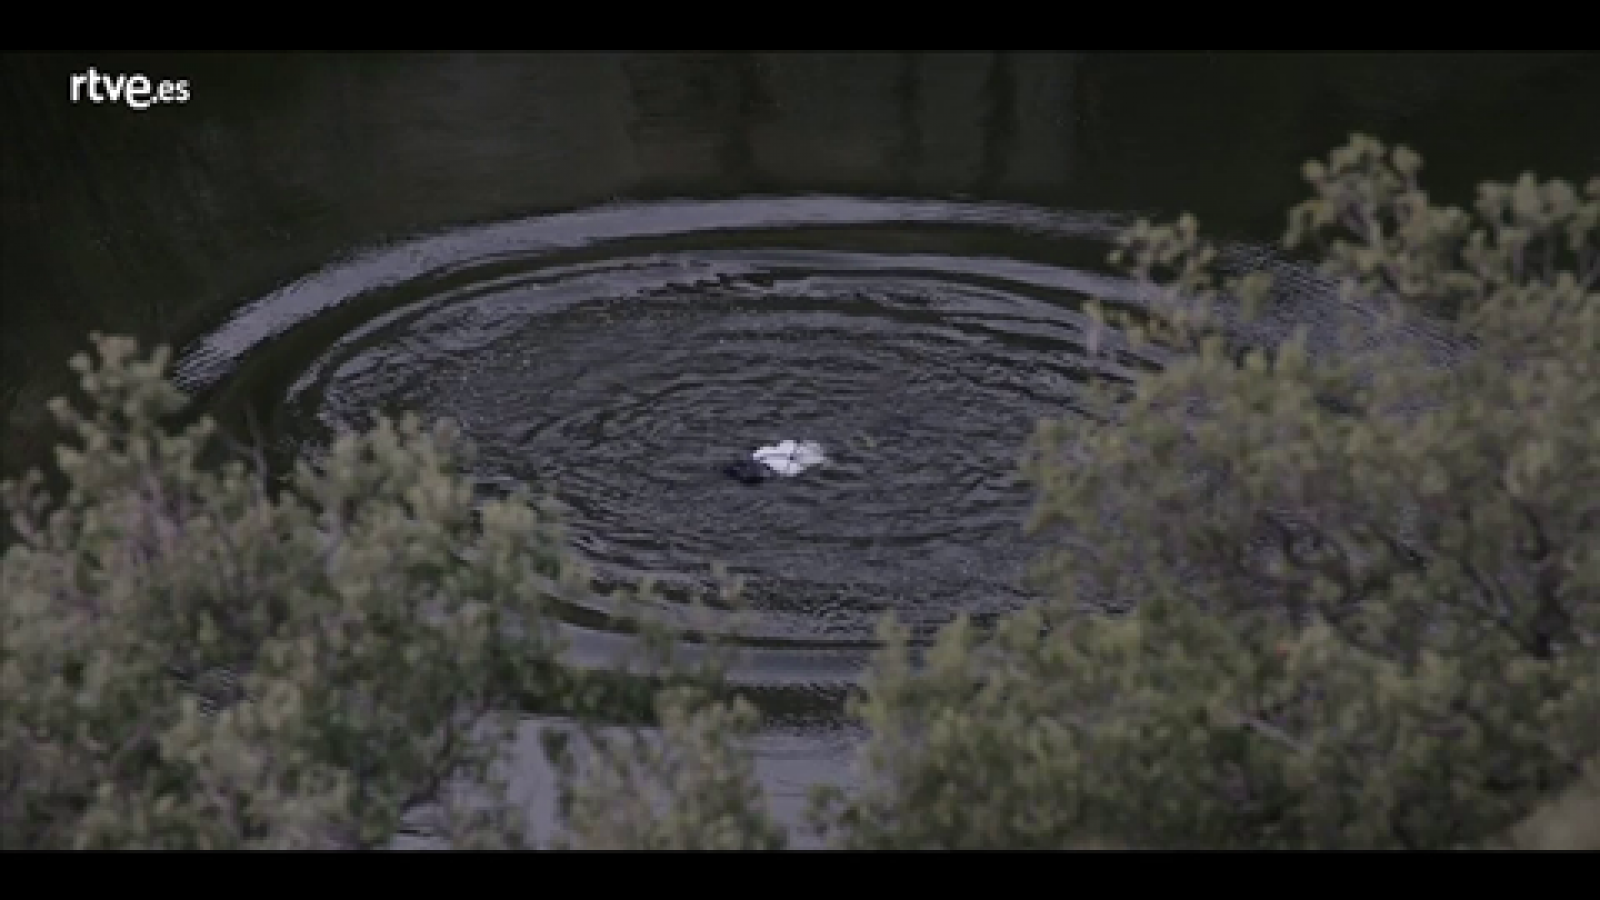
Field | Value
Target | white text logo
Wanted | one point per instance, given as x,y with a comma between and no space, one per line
134,91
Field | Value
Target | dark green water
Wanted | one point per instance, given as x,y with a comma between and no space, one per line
616,269
160,222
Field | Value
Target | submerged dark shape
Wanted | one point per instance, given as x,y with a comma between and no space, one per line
747,471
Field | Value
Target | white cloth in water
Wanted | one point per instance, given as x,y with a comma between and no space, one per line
790,457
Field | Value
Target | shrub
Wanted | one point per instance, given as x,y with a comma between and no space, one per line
1300,598
195,657
692,786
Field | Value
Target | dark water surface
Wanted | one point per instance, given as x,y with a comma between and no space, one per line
618,271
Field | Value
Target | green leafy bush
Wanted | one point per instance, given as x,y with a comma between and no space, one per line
690,787
196,658
1300,599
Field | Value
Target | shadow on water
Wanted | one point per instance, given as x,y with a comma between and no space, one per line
615,269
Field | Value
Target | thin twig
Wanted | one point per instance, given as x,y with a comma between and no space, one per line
1268,730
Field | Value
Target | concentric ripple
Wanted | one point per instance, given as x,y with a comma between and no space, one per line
616,358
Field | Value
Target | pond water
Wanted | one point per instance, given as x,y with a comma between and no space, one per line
619,272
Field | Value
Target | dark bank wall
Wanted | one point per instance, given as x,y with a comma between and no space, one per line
159,222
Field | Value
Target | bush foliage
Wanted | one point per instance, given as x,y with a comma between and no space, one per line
1337,590
195,659
1313,600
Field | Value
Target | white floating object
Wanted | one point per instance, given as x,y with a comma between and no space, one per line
790,457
